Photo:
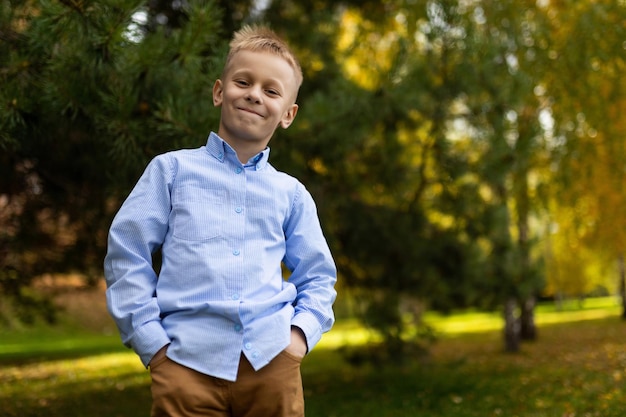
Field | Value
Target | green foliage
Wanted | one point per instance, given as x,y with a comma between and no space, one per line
22,304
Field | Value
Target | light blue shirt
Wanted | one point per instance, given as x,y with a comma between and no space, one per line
224,229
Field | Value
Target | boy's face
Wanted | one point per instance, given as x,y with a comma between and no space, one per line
257,93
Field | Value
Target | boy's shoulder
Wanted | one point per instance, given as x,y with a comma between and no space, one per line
182,152
282,175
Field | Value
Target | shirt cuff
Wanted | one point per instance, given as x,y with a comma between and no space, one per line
310,327
147,341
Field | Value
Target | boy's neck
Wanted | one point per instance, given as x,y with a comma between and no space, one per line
245,149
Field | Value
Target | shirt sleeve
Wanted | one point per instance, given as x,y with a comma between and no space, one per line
137,231
312,267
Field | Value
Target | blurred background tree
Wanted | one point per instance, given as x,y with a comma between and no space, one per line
462,153
588,133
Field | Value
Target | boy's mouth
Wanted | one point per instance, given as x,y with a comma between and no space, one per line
247,110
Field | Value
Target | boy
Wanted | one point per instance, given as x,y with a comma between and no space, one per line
221,331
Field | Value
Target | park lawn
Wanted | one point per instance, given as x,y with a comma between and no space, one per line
575,369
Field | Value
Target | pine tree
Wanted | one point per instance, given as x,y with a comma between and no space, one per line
91,90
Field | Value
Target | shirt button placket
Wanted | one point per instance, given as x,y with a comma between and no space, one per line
238,179
239,207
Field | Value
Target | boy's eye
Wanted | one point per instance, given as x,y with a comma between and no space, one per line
241,82
272,92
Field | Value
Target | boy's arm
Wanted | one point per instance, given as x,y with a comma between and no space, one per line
137,231
313,270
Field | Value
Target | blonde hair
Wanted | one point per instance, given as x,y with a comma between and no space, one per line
262,39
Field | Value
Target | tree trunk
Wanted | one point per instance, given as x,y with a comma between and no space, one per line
528,328
622,283
511,326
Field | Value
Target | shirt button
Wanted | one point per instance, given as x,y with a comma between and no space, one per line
238,209
235,296
238,327
248,346
238,170
255,355
236,252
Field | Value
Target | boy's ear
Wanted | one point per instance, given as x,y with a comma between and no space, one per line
288,117
217,93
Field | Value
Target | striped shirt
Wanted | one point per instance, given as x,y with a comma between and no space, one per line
224,229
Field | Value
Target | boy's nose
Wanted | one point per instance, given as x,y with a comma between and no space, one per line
254,95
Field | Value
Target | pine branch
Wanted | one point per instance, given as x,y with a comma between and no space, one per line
77,5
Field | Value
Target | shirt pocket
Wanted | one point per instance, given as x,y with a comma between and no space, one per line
198,213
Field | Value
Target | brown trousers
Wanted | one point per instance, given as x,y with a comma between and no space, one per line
274,391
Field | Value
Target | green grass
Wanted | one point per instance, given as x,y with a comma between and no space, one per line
576,368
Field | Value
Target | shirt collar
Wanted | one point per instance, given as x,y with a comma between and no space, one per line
218,148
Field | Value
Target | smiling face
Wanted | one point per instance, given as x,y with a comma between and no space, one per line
257,94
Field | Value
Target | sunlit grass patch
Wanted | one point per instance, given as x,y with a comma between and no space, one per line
470,322
546,313
579,310
81,374
347,333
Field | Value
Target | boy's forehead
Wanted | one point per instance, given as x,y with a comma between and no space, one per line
237,56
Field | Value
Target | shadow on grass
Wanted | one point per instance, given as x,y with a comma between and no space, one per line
130,401
417,386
